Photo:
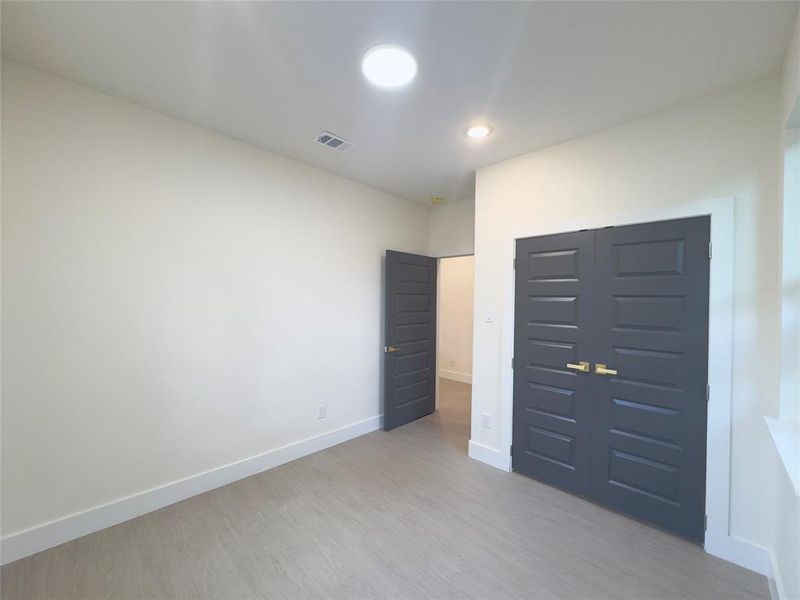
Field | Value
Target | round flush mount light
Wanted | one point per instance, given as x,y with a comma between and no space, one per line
478,131
388,65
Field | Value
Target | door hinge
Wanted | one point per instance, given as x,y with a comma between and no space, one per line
511,450
514,264
705,522
708,393
512,362
709,249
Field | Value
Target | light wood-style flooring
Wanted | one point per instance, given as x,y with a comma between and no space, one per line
403,514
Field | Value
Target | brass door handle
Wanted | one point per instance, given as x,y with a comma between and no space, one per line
582,366
601,369
392,348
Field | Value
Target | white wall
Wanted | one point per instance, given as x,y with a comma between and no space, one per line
790,142
452,234
790,78
452,229
172,300
790,305
720,146
786,513
454,357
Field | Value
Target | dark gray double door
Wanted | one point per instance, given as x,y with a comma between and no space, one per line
611,342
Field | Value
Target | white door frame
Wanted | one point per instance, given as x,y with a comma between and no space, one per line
718,540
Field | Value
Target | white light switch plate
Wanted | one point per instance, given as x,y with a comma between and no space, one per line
488,315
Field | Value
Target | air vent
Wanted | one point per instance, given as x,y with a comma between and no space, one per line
331,140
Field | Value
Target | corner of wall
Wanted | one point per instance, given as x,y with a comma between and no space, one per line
451,229
790,79
490,456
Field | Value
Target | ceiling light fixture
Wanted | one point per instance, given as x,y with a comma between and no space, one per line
478,131
388,65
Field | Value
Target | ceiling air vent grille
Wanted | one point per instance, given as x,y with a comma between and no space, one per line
331,140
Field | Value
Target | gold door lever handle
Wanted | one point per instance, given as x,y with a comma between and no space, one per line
392,348
601,369
582,366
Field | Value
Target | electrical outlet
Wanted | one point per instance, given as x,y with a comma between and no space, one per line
452,363
486,420
321,411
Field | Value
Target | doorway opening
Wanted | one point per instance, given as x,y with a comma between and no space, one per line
428,345
455,293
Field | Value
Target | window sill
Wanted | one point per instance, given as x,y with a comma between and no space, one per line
787,441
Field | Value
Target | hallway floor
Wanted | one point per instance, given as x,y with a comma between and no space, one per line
403,514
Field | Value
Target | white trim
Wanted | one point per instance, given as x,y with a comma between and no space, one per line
777,590
719,541
41,537
786,437
740,552
438,328
490,456
456,376
774,593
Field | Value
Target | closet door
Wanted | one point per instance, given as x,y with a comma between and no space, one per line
650,372
553,336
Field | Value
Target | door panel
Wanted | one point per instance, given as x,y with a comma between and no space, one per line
553,327
410,371
651,326
636,300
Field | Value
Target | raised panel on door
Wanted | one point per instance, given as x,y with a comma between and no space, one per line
410,365
651,326
553,328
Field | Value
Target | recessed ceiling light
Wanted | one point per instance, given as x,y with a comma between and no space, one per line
479,131
388,65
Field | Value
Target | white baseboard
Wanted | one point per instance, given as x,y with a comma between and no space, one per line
456,376
732,549
745,554
22,544
774,594
777,591
42,537
490,456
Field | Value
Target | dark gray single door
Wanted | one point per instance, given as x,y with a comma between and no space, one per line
410,352
631,432
649,412
553,335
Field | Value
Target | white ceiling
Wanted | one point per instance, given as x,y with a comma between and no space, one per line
276,74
